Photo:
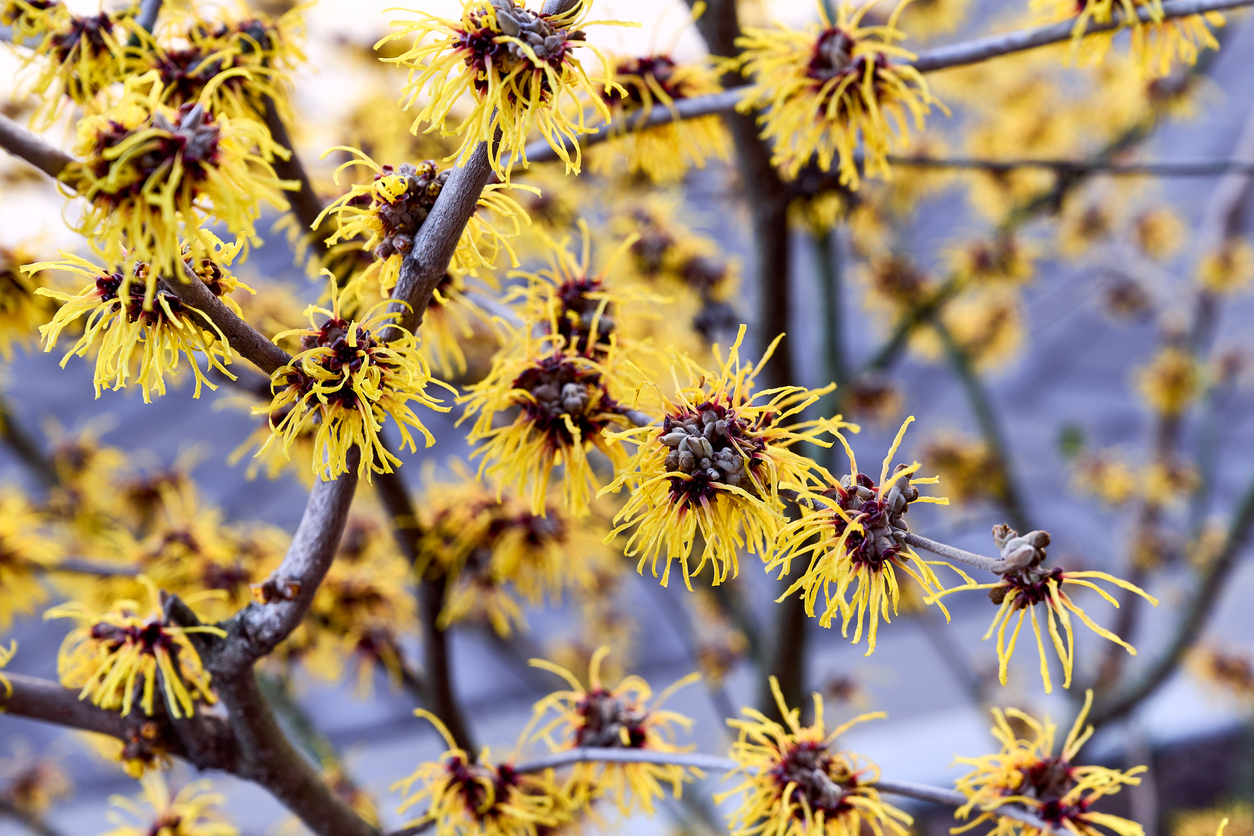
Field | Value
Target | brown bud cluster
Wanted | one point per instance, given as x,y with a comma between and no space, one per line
605,718
402,217
708,444
548,42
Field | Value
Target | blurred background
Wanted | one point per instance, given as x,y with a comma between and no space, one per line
1055,356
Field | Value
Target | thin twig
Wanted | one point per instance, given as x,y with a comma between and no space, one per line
82,566
241,336
940,58
1012,562
986,417
258,628
27,449
1189,628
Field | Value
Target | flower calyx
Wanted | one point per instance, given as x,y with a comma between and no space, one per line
548,42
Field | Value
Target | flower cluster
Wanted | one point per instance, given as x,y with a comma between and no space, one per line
823,89
1023,590
664,153
382,216
133,322
124,655
519,67
1027,773
794,784
153,174
495,552
715,467
346,382
192,811
467,794
598,717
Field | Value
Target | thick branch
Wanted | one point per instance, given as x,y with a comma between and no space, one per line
258,628
266,757
427,261
22,143
48,702
242,337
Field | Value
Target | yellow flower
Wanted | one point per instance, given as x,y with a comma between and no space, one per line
794,784
238,59
853,535
386,213
192,812
117,655
494,550
1159,232
76,56
153,174
124,326
453,322
6,656
347,383
585,309
33,783
1106,477
1233,819
1157,45
1024,591
1231,672
22,308
968,468
519,68
566,404
714,467
1003,261
618,718
25,553
1171,381
663,153
1027,774
822,89
472,797
924,19
1229,269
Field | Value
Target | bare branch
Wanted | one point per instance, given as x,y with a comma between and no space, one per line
258,628
242,337
268,758
1013,561
22,143
994,46
149,10
940,58
47,701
